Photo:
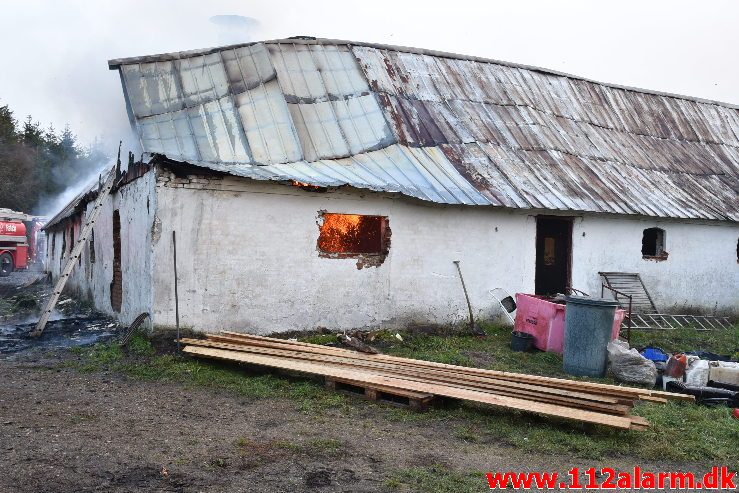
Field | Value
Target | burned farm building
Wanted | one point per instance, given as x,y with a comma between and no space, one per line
321,183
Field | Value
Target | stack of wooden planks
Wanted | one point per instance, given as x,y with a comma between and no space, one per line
589,402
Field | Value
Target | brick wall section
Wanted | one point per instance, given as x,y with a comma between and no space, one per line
168,179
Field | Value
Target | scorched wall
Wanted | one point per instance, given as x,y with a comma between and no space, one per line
91,280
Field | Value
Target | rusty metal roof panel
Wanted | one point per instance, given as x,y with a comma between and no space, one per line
437,126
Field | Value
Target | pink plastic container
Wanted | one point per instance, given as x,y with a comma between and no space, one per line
546,321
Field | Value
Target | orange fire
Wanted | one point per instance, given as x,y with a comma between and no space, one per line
350,234
307,186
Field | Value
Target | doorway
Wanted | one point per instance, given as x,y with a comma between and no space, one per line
553,255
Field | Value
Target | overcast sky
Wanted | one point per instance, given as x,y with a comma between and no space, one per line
55,52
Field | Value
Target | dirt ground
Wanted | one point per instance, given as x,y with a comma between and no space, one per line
62,430
65,431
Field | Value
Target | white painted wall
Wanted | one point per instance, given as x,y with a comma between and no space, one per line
91,280
247,259
701,272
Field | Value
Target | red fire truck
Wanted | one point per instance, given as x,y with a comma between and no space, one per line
21,241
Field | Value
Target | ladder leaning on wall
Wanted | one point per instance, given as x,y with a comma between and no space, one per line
76,251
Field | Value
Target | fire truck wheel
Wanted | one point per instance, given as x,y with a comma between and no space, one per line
6,264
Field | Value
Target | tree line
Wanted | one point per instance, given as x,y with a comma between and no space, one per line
37,164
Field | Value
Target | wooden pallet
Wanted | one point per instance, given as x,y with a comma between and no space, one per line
418,401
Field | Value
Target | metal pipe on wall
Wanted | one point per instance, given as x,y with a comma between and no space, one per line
176,295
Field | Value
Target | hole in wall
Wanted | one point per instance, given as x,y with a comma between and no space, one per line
366,238
653,244
116,285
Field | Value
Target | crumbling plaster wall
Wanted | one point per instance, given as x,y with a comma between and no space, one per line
700,274
247,258
91,280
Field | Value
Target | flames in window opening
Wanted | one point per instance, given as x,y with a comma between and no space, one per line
307,186
352,234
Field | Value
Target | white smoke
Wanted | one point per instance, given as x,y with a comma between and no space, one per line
50,207
234,29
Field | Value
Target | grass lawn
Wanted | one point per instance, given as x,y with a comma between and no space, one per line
709,435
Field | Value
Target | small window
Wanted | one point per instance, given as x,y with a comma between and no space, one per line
354,236
653,244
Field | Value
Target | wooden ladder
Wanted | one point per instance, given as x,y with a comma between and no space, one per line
75,253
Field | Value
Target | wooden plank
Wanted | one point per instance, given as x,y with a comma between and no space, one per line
578,399
615,390
626,391
621,422
652,398
587,402
436,373
638,423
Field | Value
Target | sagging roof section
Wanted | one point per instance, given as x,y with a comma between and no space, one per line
437,127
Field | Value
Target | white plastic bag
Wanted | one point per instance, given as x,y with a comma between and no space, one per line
628,366
696,374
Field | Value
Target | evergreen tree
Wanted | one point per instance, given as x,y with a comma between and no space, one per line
8,124
36,164
32,135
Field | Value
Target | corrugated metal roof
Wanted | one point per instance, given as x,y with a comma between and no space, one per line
438,127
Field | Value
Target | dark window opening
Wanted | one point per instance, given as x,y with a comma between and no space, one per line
92,246
653,244
116,285
354,236
64,249
71,243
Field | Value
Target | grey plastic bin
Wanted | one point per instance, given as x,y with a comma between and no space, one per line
588,326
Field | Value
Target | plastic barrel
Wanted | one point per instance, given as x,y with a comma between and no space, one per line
588,325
